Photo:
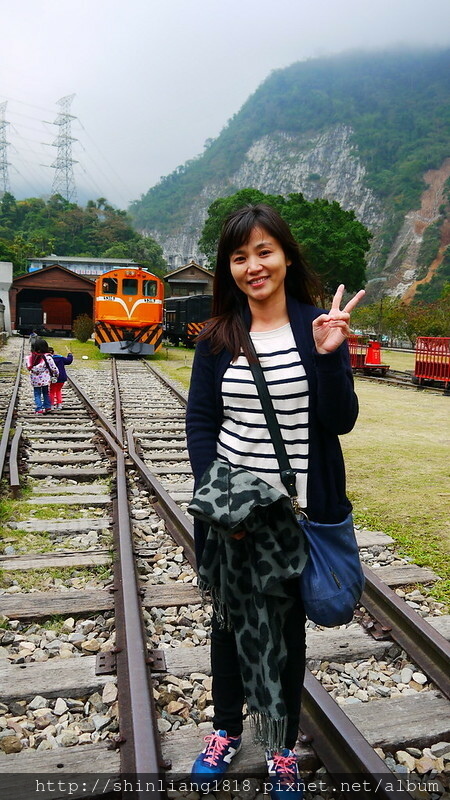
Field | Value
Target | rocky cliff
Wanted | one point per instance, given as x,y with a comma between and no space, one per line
401,270
322,165
369,130
325,165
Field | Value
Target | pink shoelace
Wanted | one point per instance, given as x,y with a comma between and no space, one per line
285,766
216,746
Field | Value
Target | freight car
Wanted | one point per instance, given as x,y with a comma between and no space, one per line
184,317
52,315
29,317
128,312
432,362
365,356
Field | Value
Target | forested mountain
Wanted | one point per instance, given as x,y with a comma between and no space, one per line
369,130
35,228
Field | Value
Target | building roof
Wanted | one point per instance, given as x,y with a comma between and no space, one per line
191,264
36,279
53,259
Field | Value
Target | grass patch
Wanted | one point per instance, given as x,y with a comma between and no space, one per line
398,359
398,473
425,552
54,623
78,349
175,362
48,579
21,510
6,510
30,543
26,542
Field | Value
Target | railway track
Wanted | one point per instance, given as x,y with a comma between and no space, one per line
343,662
401,379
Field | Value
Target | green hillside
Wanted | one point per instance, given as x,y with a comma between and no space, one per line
34,228
397,103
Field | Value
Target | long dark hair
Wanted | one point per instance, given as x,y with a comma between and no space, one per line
226,328
38,348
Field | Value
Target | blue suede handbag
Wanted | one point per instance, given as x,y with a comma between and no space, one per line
332,580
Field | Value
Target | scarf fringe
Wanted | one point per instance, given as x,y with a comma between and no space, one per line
269,732
211,594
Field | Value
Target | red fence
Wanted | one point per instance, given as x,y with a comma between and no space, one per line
432,358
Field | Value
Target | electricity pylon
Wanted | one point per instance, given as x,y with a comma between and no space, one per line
4,176
64,182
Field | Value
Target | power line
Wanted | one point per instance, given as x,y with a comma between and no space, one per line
4,176
92,163
121,185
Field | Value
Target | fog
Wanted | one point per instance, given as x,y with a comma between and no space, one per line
154,80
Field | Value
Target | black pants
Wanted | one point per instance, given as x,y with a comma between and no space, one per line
227,688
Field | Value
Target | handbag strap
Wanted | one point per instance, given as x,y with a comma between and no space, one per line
288,475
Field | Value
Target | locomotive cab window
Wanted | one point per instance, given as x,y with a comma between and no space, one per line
149,288
129,286
109,286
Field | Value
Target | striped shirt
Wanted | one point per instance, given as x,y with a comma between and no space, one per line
244,439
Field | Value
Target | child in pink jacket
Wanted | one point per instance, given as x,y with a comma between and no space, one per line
42,369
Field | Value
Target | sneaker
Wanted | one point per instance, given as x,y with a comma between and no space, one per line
39,411
212,763
284,775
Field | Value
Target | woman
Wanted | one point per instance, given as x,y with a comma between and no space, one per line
41,367
263,285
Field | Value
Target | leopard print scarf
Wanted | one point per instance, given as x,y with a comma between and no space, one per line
245,580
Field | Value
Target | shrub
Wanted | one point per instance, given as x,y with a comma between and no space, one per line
83,327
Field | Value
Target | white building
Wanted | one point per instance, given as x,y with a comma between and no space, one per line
6,275
89,267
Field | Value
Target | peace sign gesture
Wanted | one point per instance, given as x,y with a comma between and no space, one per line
330,330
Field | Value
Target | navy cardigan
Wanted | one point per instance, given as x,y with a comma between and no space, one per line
333,409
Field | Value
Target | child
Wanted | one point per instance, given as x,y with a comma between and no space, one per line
56,388
41,367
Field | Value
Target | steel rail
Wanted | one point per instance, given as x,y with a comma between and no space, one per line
10,412
347,755
401,384
139,751
167,381
14,479
93,408
117,402
177,524
139,744
430,650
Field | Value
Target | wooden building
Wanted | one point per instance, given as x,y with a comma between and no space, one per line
189,279
49,299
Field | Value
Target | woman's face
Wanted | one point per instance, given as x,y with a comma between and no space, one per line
259,267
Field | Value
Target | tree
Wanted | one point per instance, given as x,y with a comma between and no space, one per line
8,210
394,318
83,327
6,251
333,240
144,250
36,228
218,211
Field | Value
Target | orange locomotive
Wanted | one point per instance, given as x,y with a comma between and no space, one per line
128,312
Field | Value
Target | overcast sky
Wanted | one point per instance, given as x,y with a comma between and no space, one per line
153,79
